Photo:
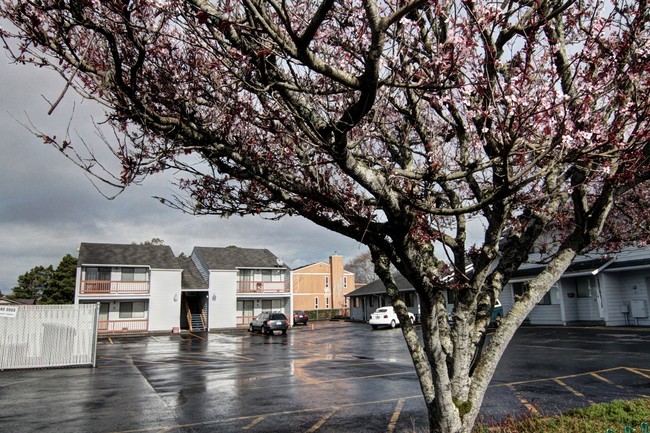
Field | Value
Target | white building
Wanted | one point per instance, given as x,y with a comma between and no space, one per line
599,289
145,288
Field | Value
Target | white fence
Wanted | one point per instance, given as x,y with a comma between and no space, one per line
41,336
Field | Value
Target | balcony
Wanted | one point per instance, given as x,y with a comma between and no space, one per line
262,287
117,326
105,287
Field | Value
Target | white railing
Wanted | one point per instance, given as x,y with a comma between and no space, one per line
263,287
101,287
41,336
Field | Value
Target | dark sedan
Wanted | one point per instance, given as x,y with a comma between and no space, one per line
300,317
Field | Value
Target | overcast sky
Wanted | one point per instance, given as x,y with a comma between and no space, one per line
48,207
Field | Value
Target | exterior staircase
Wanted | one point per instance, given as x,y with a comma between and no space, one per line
197,323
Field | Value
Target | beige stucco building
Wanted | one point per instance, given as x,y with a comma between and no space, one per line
322,285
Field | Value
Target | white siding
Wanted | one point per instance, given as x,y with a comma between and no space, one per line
164,301
222,309
546,315
622,288
507,299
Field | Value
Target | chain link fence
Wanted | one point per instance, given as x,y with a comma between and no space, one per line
42,336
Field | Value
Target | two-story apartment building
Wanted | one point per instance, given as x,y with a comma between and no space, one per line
322,285
242,282
137,286
148,288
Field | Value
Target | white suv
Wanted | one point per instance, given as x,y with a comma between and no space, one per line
386,316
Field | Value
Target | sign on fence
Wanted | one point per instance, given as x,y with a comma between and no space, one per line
41,336
8,311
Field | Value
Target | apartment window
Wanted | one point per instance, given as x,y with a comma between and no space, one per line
98,274
327,282
583,287
316,302
327,303
267,305
132,310
345,282
356,302
519,289
552,297
409,299
134,274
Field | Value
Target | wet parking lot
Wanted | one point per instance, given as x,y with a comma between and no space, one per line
336,377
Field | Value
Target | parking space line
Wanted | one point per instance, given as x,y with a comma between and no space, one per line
256,421
573,390
637,371
523,400
267,415
546,379
604,379
321,421
396,413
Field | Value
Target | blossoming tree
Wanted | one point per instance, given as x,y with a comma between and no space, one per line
393,122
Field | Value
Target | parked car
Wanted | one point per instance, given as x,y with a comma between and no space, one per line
497,314
268,323
300,316
386,316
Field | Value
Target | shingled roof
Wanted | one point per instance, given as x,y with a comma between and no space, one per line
154,256
377,287
235,257
191,278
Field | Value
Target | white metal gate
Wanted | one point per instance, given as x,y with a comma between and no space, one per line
41,336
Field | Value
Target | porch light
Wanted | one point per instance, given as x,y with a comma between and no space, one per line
214,296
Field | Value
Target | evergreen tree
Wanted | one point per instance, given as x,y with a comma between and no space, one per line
61,287
31,284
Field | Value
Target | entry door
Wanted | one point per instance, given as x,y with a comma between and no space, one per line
588,301
248,310
103,315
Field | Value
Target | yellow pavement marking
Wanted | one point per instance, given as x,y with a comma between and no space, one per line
523,400
322,421
281,413
573,390
393,420
546,379
604,379
256,421
638,371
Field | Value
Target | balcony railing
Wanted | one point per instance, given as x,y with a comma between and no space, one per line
115,326
99,287
263,287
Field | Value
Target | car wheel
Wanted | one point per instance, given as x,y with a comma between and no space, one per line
392,323
250,328
374,326
284,332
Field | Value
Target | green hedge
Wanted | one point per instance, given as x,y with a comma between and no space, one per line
327,314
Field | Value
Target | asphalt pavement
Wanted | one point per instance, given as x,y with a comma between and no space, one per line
332,377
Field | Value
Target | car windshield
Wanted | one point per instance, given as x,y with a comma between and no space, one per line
278,317
382,310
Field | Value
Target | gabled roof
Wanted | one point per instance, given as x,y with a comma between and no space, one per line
377,287
592,264
154,256
300,268
235,257
306,267
191,278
